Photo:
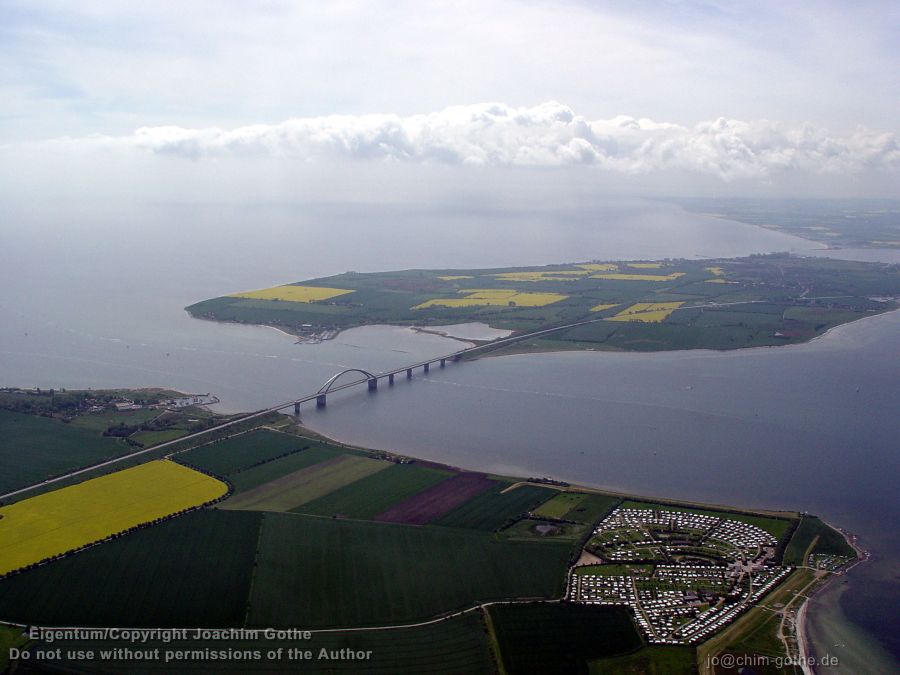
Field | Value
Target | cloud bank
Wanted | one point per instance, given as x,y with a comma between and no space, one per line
547,135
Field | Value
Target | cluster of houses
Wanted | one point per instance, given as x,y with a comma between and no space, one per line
832,563
124,404
680,602
715,618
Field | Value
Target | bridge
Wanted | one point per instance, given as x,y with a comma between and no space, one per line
319,397
371,380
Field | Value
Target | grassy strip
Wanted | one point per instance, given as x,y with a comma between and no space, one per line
827,541
650,660
255,476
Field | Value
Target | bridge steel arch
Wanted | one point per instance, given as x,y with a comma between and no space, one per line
325,388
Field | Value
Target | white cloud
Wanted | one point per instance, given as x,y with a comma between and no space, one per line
547,135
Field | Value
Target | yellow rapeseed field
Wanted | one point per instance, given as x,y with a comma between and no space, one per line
454,277
647,312
71,517
639,277
501,297
645,266
599,267
293,293
601,307
560,275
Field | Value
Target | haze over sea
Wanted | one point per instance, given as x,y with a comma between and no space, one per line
96,300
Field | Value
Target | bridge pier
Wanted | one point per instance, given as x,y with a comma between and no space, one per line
443,362
391,379
426,367
320,401
373,384
297,409
409,373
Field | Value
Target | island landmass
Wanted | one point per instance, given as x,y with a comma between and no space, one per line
761,300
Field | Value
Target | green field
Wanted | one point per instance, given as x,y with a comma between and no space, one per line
592,509
458,645
829,541
318,572
494,508
239,452
655,660
269,471
371,495
148,438
560,505
777,527
560,638
102,421
294,489
35,448
9,638
193,570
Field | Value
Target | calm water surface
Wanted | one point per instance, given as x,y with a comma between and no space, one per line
95,300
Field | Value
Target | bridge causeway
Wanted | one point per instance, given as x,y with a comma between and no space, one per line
319,397
372,379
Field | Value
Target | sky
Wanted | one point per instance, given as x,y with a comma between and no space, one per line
273,97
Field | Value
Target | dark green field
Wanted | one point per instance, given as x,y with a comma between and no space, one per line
830,541
491,510
450,647
319,572
655,660
560,638
756,301
191,571
368,497
35,448
240,452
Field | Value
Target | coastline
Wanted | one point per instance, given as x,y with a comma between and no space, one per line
809,648
800,629
804,642
330,335
806,646
737,350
